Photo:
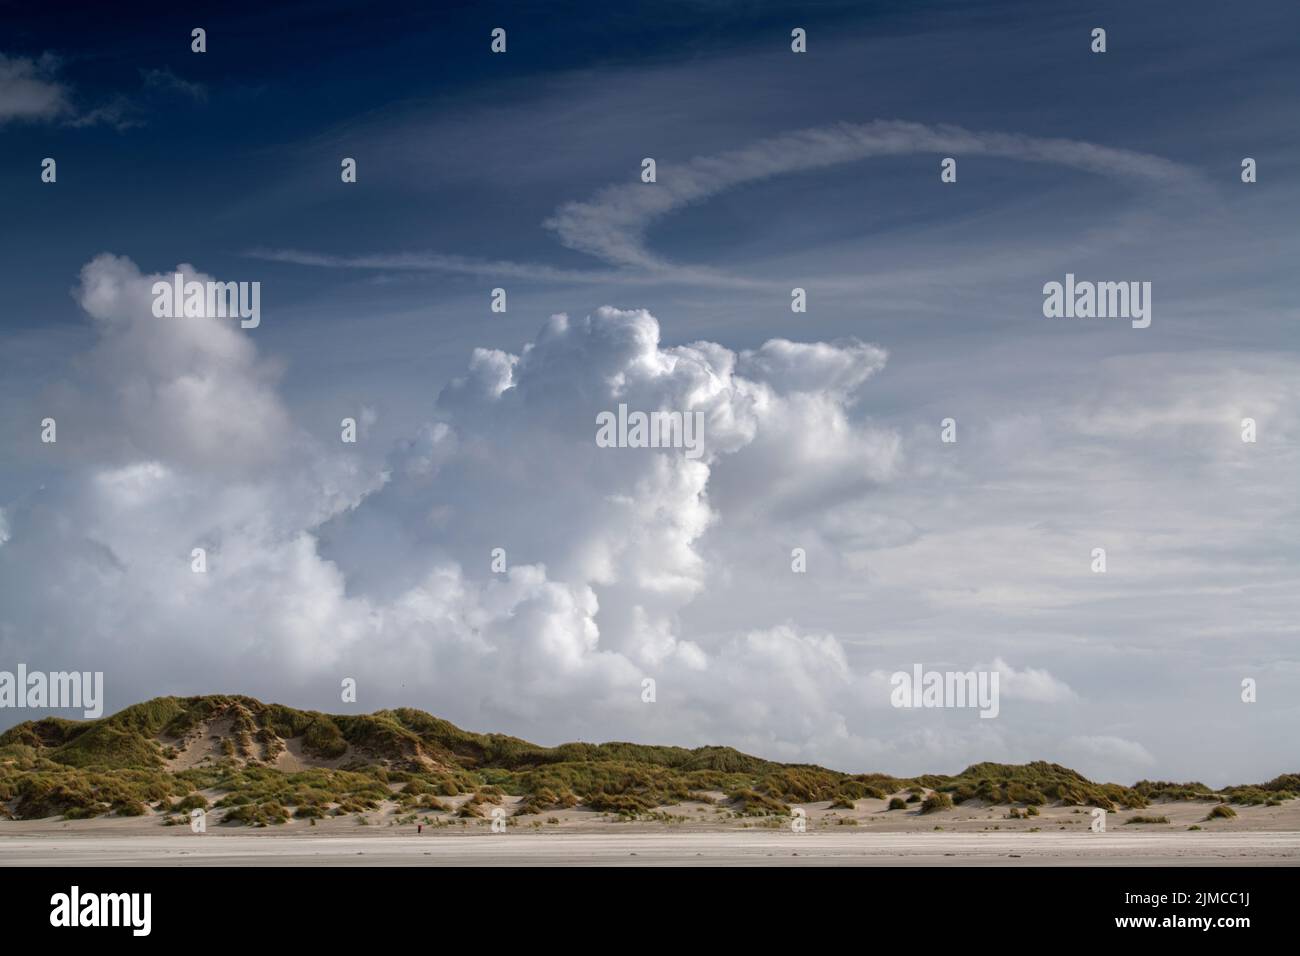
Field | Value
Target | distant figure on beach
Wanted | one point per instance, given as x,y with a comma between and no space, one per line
419,828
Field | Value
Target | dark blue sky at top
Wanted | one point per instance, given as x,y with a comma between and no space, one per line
276,76
289,88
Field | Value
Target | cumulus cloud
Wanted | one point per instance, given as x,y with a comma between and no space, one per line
323,564
512,463
193,392
328,560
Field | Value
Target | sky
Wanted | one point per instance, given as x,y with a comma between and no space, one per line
775,170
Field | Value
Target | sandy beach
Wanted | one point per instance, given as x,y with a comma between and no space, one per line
732,848
685,834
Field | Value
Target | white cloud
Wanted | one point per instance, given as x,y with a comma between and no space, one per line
30,90
321,566
327,560
1108,749
192,391
1031,684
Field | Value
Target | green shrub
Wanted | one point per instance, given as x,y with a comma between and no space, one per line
936,802
851,790
263,814
195,801
748,803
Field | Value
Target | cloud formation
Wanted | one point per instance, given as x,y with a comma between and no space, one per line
327,560
321,567
612,224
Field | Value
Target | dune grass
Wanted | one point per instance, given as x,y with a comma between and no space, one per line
935,802
119,765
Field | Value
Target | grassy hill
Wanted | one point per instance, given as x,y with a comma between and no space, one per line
262,763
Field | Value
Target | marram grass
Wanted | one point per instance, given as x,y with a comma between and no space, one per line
129,764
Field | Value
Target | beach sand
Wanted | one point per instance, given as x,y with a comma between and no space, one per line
677,848
685,834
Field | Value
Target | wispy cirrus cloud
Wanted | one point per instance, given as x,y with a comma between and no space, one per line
167,82
432,262
612,224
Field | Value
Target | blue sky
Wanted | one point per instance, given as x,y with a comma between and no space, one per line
521,171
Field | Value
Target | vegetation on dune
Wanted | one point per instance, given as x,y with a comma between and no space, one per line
935,802
267,813
195,801
120,765
1281,788
750,803
1033,784
1165,790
